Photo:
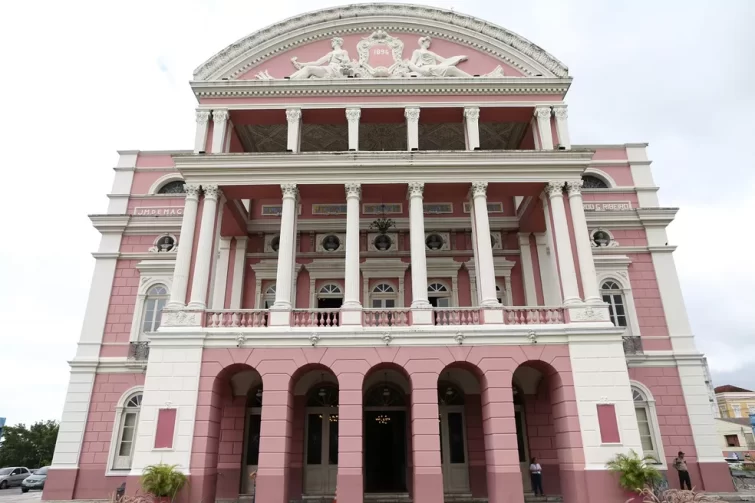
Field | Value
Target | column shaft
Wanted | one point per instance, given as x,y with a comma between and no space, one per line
472,127
563,243
352,116
562,126
528,270
543,116
200,137
584,248
239,273
417,245
219,125
185,245
221,273
204,248
548,273
293,117
351,274
555,280
412,128
286,255
484,266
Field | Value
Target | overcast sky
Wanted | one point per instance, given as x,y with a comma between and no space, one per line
82,79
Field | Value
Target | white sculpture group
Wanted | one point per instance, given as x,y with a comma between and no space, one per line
336,64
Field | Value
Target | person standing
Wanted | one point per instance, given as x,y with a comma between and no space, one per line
681,466
536,476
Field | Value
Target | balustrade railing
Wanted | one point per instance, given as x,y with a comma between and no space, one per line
236,318
138,351
386,317
457,315
533,315
315,318
632,345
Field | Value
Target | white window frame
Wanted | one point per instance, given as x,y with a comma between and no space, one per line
322,294
164,180
145,285
154,323
115,440
447,294
269,298
621,278
652,416
382,296
737,409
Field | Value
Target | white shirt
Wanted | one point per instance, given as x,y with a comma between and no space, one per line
535,468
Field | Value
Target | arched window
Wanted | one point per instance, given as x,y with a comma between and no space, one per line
383,296
385,395
174,187
439,295
449,394
614,297
593,182
323,395
129,421
330,290
157,296
646,422
269,297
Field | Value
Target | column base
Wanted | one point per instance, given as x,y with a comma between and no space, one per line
422,315
590,313
428,485
196,305
279,317
492,316
351,314
60,484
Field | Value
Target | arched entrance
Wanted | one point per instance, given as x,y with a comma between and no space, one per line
385,432
321,439
453,438
252,435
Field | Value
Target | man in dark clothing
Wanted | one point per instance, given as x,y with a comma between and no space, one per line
681,466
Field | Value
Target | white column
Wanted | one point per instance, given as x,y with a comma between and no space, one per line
555,280
185,245
484,265
509,293
584,248
221,273
293,116
239,272
562,126
543,116
642,175
548,274
200,137
412,129
555,192
528,271
472,127
417,246
286,255
351,274
219,125
203,258
352,116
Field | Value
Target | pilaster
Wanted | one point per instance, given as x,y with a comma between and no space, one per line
239,272
412,128
543,116
562,126
219,126
472,127
352,116
528,271
221,273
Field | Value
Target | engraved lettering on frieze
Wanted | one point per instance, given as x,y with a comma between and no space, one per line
158,211
607,206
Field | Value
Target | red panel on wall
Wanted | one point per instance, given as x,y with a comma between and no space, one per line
609,427
166,426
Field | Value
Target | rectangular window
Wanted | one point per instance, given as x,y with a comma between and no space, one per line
732,440
127,437
609,427
646,436
166,427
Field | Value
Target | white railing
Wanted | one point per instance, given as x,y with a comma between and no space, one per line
397,317
233,318
315,318
457,315
533,315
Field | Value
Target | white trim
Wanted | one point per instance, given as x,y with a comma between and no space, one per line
117,428
152,273
164,180
655,430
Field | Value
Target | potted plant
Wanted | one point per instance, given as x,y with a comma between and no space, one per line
635,473
163,481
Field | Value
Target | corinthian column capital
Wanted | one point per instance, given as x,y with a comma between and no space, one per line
574,187
554,188
219,115
353,114
543,112
289,190
353,190
411,114
211,191
191,190
203,116
415,189
561,112
472,113
479,189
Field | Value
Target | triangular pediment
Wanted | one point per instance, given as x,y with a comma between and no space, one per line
374,41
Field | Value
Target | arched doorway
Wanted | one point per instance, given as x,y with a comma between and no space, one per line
321,439
252,435
385,432
453,438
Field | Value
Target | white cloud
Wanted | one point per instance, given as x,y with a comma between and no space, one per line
83,78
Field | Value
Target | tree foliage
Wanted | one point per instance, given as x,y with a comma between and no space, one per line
30,447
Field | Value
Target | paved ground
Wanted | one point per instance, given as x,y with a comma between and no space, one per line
14,495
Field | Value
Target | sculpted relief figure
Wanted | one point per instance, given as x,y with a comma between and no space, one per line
333,65
426,63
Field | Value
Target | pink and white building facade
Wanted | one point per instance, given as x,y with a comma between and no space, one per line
383,271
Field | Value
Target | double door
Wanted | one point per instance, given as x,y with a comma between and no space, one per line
453,449
321,450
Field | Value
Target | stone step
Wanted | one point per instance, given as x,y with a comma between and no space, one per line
554,498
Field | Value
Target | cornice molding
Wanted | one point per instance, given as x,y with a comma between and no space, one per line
481,35
110,223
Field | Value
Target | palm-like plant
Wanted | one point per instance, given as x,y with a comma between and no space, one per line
163,481
635,473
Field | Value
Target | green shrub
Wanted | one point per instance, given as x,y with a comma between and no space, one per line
163,481
635,473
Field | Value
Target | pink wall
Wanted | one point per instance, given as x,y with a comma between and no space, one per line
108,390
120,312
139,244
647,300
630,237
610,154
622,175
